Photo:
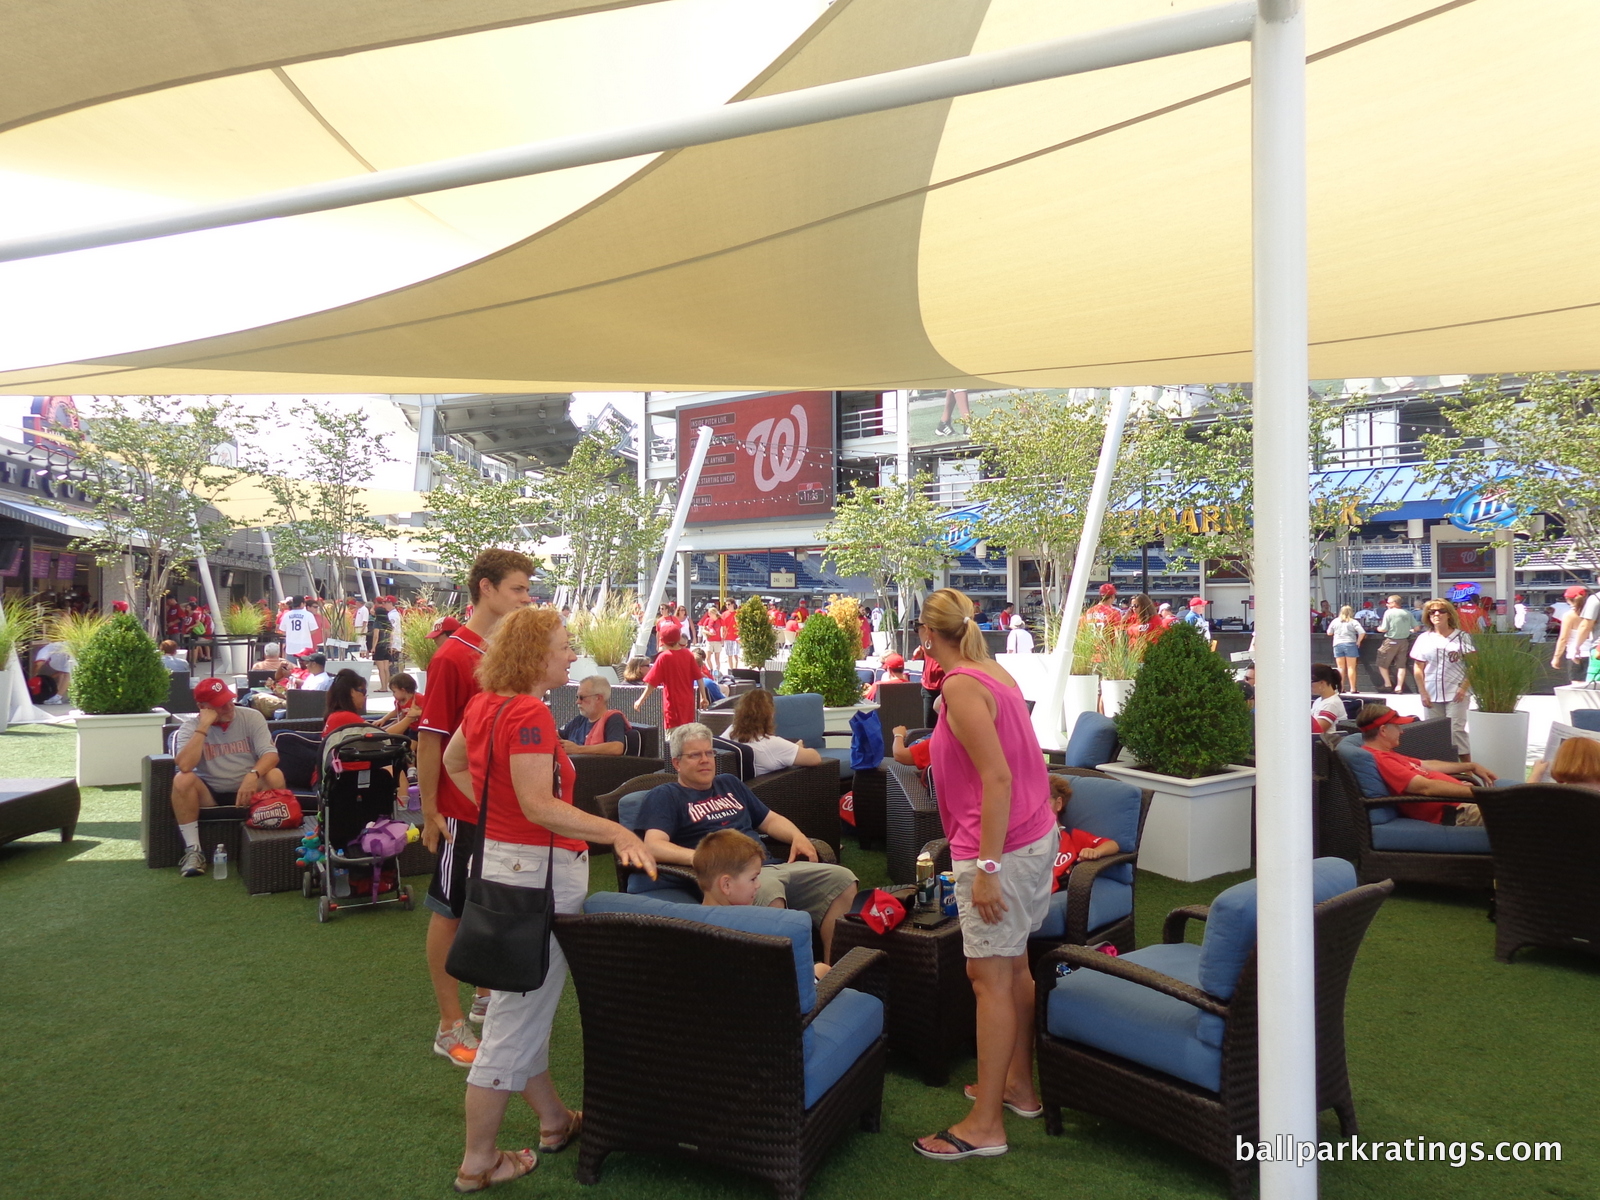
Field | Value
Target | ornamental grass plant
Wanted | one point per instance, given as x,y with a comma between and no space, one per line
246,620
76,630
1185,716
119,670
606,633
1501,670
415,626
1121,653
20,623
823,660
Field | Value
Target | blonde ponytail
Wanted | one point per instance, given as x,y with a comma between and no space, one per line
950,614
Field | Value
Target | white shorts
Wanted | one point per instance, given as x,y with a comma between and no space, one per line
515,1045
1025,875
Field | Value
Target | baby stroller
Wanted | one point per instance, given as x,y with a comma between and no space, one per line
362,770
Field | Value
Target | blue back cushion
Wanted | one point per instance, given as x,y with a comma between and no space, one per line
774,922
629,808
1363,766
1231,925
1106,808
1093,741
800,718
1587,718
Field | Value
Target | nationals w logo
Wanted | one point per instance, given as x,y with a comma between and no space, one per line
779,447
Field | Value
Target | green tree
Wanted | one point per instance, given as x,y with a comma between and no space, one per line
1039,459
149,466
894,535
1203,492
320,511
823,660
610,522
467,512
757,641
1536,448
1185,716
120,670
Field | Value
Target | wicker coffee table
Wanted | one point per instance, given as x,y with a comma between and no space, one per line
932,1011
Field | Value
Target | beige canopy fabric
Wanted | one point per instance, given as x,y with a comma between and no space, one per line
1085,231
249,500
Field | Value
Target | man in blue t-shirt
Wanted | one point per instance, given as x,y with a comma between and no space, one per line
675,816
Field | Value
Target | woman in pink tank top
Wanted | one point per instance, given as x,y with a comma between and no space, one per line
994,800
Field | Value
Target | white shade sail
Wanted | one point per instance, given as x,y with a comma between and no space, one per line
1090,230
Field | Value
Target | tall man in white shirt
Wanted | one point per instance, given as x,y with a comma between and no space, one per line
363,618
298,626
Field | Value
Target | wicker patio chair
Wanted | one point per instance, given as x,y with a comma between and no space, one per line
1357,827
898,704
1546,839
870,790
808,796
718,1023
1195,1084
911,820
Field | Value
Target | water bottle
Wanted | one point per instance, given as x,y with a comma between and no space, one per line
341,883
219,862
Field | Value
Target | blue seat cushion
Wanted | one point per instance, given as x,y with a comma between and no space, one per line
663,887
1586,718
774,922
629,808
1404,833
1382,814
1139,1023
1107,808
841,1033
800,718
1109,900
1363,766
1093,741
840,755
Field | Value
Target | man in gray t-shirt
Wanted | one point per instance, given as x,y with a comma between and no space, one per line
224,755
1397,627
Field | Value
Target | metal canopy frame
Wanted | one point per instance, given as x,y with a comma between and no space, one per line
1276,31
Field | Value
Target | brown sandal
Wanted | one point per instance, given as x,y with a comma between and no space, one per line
484,1180
556,1143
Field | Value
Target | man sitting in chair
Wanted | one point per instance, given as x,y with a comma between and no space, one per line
598,728
1406,776
224,756
676,816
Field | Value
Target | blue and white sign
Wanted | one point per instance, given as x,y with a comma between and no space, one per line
1482,508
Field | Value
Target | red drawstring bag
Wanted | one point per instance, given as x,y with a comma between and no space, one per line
882,912
274,808
847,808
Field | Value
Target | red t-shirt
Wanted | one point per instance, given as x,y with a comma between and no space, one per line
932,675
1073,843
338,720
525,727
452,682
730,626
1400,769
674,672
711,626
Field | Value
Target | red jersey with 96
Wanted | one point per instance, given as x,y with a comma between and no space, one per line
452,682
519,725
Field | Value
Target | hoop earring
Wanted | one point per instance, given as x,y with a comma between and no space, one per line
927,645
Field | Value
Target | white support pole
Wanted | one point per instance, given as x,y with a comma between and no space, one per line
680,518
1286,979
1119,45
272,563
1047,713
206,581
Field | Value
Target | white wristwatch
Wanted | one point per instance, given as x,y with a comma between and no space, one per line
988,866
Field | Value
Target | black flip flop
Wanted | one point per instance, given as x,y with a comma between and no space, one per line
963,1149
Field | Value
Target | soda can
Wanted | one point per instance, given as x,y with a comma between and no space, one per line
947,893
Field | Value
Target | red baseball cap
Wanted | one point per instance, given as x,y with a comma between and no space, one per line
1108,589
1389,718
213,693
894,662
667,632
1572,593
1197,602
445,628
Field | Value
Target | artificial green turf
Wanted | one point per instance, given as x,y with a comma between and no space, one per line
177,1038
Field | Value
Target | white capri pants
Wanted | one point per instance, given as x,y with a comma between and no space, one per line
515,1044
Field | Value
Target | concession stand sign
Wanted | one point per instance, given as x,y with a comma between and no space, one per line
770,457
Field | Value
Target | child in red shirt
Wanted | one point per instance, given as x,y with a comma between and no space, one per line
676,673
1076,844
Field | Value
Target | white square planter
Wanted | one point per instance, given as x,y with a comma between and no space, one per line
111,747
1196,828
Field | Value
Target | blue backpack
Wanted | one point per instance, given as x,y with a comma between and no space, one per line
866,741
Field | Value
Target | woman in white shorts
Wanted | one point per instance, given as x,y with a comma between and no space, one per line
994,801
531,828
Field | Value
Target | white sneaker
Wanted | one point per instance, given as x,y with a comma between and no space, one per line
458,1043
193,862
480,1009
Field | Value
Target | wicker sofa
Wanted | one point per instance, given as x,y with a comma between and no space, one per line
783,1067
29,806
1164,1039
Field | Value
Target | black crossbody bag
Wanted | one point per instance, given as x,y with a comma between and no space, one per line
503,940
